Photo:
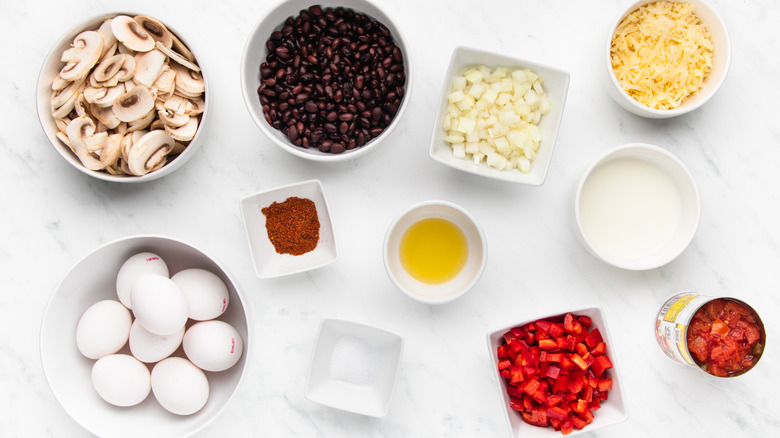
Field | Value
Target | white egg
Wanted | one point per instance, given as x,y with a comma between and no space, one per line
136,266
207,294
149,347
103,329
213,345
121,380
158,304
179,386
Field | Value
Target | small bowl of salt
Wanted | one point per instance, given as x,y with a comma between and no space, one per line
354,367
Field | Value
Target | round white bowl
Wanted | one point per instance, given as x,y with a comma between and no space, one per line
461,283
69,373
255,52
689,217
52,65
721,60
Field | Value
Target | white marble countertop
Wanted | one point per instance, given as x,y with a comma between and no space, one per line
52,216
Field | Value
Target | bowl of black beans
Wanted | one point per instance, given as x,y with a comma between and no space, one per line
327,81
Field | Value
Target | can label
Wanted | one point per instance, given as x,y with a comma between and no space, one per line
672,324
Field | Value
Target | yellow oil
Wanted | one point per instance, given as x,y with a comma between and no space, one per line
433,250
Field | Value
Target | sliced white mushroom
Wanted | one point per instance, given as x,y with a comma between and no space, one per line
148,66
121,128
124,168
104,97
178,148
129,84
127,71
195,106
124,50
124,146
189,83
149,151
109,51
179,47
80,105
157,124
109,40
78,130
177,57
82,56
175,103
63,101
105,115
62,124
166,81
156,29
108,68
184,133
112,150
96,142
131,34
142,123
134,104
173,119
58,83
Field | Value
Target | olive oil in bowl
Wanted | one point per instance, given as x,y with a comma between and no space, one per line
433,250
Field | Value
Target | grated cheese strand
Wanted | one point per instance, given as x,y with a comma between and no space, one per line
661,53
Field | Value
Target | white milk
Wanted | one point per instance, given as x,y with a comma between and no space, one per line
629,208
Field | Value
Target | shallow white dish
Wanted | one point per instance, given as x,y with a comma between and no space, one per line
721,61
255,53
689,207
52,66
69,373
556,85
463,281
267,262
354,367
613,410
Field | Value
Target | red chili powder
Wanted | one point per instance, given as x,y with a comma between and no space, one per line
292,225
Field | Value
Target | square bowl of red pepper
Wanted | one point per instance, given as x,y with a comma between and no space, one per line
289,229
557,374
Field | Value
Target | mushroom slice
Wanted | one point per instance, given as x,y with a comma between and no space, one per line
195,107
178,148
156,29
131,34
127,71
105,115
112,150
108,68
80,105
62,124
173,119
78,130
58,83
148,66
184,133
104,97
134,105
157,124
142,123
60,97
109,40
147,152
96,142
121,128
189,83
64,138
176,57
166,81
175,103
179,47
82,56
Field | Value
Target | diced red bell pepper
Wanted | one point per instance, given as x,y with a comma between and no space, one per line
516,375
601,364
571,325
578,422
604,385
512,391
585,320
516,404
537,417
556,412
552,372
540,396
555,331
501,352
593,338
505,373
561,384
579,406
577,359
587,416
587,394
547,344
566,427
554,399
504,364
599,349
554,357
581,349
530,386
543,325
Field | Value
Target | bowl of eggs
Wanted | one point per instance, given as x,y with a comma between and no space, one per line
145,336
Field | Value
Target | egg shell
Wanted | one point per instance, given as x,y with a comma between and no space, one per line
103,329
179,386
159,305
140,264
213,345
121,380
207,295
149,347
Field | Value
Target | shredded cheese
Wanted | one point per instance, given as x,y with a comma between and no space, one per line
661,54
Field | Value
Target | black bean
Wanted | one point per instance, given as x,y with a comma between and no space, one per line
311,106
337,148
292,133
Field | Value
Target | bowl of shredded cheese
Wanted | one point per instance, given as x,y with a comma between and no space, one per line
666,58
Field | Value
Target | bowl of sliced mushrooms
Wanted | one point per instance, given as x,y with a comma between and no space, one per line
122,98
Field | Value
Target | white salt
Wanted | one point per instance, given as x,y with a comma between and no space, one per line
354,361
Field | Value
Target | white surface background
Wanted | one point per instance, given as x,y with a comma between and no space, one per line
52,216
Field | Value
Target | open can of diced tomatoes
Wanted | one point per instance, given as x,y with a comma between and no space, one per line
722,336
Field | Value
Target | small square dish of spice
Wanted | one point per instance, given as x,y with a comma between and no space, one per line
289,229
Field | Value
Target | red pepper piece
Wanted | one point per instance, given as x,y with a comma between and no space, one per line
543,325
502,364
501,352
601,364
552,372
530,386
547,344
571,325
517,375
505,373
516,404
566,427
577,359
556,331
578,422
554,399
593,338
556,412
599,349
604,385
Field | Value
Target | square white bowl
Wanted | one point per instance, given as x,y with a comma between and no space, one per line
354,367
556,85
267,262
613,410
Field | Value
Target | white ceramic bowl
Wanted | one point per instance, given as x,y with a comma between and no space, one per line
255,52
52,66
354,367
556,85
463,281
69,373
673,241
267,262
613,410
721,60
